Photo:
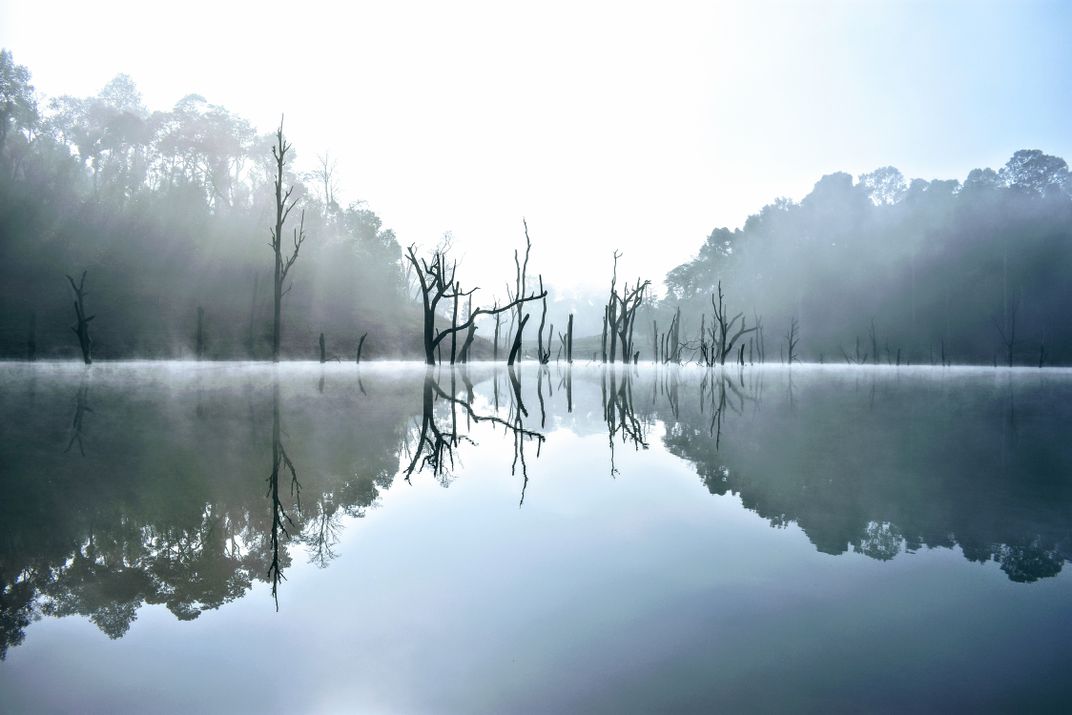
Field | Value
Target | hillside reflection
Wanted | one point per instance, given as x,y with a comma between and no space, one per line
147,486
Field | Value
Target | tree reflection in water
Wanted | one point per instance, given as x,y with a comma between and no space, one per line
158,507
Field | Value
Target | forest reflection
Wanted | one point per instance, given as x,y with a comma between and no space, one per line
138,486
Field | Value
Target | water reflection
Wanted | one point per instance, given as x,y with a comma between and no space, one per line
166,504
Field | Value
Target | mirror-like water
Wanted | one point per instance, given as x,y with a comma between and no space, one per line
191,537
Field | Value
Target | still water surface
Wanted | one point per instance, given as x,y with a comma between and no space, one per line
228,537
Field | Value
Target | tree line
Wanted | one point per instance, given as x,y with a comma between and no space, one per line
881,270
162,216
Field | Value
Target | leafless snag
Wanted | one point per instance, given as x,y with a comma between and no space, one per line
360,345
515,349
436,281
718,344
81,326
792,337
543,356
284,204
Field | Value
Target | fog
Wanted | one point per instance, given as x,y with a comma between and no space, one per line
580,357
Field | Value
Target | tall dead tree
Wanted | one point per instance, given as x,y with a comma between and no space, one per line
625,317
81,326
284,204
543,356
519,288
436,282
495,340
469,336
610,316
619,315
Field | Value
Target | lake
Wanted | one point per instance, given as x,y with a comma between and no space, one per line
191,537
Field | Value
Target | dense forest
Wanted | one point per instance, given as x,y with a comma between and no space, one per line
168,213
975,272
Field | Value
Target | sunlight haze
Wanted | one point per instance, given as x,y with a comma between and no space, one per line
633,126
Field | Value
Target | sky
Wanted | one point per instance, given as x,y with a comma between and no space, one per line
617,125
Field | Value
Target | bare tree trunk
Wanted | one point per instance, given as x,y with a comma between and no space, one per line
569,340
323,352
361,344
454,326
495,341
81,327
516,348
605,309
283,206
541,356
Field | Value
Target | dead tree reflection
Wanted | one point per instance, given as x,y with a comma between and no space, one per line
437,439
281,466
620,414
81,407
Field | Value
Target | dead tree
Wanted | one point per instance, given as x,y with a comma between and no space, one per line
515,349
610,316
569,340
625,317
792,337
619,316
543,356
200,341
454,324
519,283
81,326
495,340
722,335
671,340
436,282
283,263
361,344
761,348
469,336
605,309
323,352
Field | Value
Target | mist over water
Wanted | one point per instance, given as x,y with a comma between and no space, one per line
479,358
454,539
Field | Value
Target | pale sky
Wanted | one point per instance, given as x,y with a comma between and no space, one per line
637,126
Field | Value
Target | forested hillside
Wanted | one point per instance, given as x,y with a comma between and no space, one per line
167,211
979,269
